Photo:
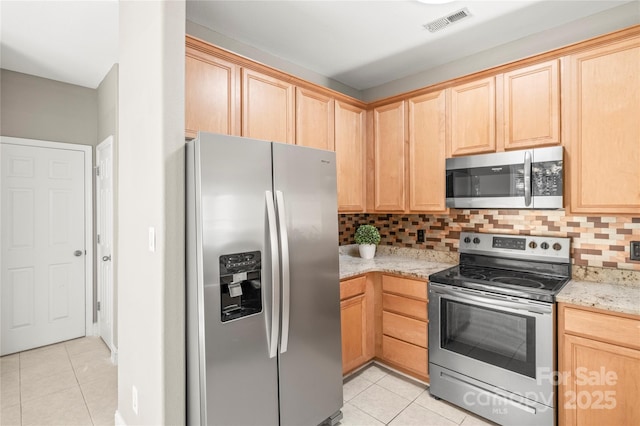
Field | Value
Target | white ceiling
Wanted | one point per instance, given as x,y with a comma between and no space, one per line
364,44
360,43
71,41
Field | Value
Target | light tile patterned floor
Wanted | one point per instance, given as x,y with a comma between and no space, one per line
69,383
377,396
75,383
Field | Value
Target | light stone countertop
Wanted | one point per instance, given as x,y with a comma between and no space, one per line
603,288
396,260
616,297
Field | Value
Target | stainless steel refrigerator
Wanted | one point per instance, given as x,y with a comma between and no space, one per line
263,302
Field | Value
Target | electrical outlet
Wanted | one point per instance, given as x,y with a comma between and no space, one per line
134,399
634,248
420,236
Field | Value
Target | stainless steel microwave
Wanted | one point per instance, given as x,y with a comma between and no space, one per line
526,179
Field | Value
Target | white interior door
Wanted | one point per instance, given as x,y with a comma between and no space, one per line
43,246
104,183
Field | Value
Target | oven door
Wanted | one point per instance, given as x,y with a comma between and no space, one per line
503,341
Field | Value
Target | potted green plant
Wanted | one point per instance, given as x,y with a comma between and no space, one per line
367,237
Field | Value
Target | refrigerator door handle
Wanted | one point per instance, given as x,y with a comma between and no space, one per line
286,285
275,276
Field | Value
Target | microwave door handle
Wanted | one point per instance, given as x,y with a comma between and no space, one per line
527,178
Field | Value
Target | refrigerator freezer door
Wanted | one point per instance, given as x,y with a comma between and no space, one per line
240,378
311,366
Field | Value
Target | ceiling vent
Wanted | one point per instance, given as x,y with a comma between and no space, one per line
443,22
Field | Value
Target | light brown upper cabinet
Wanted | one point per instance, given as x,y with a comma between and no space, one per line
267,107
314,119
389,129
531,106
350,143
472,117
603,130
427,152
211,94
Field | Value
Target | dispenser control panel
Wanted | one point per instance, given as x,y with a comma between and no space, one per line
240,285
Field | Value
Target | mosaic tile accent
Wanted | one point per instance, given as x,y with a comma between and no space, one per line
599,241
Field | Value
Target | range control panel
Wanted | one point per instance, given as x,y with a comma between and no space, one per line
517,246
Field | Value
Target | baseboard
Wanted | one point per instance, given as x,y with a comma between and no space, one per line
119,421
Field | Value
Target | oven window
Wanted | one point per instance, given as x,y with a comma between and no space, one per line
499,181
500,338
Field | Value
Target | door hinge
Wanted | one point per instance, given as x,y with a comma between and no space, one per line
97,170
98,305
98,236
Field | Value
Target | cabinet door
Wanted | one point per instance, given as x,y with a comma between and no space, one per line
389,141
603,130
603,384
267,107
211,95
531,106
314,119
427,152
350,157
354,336
473,117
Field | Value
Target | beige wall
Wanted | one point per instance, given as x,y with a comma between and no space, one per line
39,108
151,194
108,126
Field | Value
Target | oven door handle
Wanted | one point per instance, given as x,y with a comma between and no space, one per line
492,301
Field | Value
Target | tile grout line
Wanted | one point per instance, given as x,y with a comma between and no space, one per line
20,386
86,406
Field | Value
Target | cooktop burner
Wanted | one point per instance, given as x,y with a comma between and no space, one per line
524,266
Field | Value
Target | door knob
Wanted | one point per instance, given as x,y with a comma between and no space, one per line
105,258
77,253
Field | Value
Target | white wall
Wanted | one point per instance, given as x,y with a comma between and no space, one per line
108,126
151,194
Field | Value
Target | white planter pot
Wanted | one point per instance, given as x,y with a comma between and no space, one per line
367,251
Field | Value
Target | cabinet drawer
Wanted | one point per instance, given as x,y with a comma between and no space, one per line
609,328
352,287
403,328
405,354
404,287
401,305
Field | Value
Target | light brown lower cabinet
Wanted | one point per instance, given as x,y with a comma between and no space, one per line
385,316
405,325
356,309
599,367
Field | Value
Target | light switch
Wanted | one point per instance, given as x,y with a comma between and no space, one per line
152,239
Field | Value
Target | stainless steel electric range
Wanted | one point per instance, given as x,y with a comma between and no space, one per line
492,341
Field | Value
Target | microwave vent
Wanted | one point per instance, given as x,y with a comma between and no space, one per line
445,21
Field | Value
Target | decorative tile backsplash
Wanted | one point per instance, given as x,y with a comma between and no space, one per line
600,241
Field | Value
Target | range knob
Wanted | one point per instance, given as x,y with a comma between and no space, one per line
557,246
467,240
476,240
544,246
533,244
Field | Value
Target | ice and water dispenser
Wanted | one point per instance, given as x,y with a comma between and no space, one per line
240,285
